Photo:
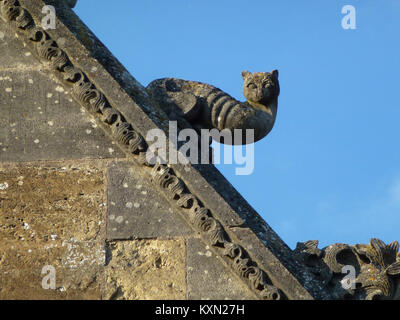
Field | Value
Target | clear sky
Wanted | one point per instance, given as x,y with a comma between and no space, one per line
330,168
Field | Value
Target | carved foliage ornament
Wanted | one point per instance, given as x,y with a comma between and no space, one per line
376,268
200,218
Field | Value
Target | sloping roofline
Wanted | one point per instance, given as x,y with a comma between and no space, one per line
207,201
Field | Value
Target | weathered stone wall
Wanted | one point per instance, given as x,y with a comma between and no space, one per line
94,214
71,200
55,213
77,198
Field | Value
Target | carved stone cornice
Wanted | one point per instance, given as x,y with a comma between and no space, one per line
358,271
200,218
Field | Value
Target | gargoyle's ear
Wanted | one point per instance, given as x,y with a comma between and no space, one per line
275,73
245,74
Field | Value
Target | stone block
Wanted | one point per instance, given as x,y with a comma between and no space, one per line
49,125
9,46
146,270
78,270
136,209
52,215
46,203
208,278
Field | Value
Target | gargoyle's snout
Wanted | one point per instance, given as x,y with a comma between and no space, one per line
259,95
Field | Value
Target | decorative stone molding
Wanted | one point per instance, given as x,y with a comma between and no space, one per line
376,268
132,142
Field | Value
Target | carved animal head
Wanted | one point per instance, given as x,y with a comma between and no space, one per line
260,87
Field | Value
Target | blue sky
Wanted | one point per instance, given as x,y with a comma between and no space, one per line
330,168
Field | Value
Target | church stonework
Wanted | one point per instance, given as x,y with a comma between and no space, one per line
85,215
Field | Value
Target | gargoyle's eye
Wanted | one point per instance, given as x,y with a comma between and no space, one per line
251,86
267,84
